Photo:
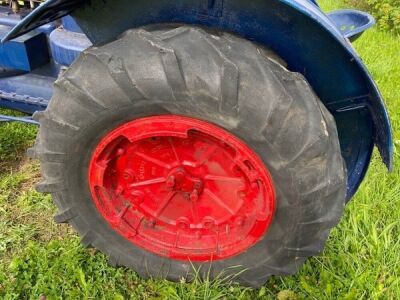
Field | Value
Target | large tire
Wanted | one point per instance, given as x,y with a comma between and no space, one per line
218,78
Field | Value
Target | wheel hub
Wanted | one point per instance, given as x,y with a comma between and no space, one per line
181,188
179,180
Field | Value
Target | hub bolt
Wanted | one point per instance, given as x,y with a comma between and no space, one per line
120,152
240,221
171,181
129,175
152,223
208,223
194,196
183,223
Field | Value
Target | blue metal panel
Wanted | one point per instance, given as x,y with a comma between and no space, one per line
70,24
19,90
352,23
28,92
66,46
24,53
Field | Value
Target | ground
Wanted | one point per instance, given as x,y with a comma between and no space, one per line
42,260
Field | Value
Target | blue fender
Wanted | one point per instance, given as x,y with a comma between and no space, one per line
306,38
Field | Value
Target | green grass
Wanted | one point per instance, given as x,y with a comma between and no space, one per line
14,138
39,258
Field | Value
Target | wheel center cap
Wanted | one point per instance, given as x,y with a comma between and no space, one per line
180,180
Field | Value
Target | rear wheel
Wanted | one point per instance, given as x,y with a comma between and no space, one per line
174,148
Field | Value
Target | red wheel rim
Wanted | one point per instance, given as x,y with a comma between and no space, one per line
181,188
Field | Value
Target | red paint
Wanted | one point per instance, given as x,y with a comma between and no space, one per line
181,188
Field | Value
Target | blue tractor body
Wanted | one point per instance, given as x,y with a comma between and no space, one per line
315,44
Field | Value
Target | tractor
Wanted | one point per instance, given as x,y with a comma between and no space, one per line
195,136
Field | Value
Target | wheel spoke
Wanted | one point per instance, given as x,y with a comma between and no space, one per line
234,180
153,160
219,201
121,214
174,150
164,203
206,156
195,211
123,211
148,182
139,223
